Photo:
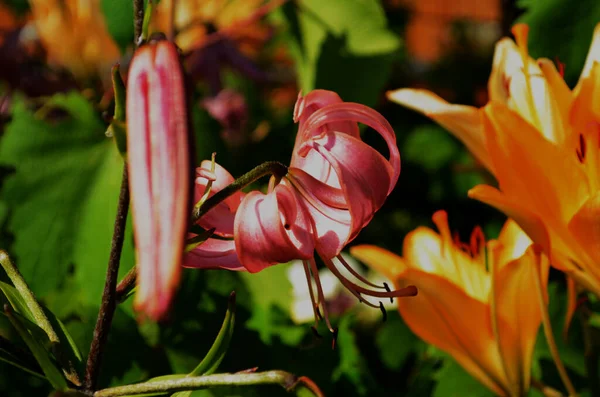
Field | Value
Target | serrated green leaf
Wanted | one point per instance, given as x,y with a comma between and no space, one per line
62,196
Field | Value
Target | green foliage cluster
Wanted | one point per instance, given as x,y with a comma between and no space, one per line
60,182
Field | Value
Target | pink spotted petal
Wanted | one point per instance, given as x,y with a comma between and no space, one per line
213,254
354,112
365,177
272,228
328,210
221,217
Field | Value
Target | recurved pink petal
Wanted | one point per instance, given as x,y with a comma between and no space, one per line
365,178
272,228
222,216
213,254
357,113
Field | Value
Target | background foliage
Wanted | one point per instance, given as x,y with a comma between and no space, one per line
60,180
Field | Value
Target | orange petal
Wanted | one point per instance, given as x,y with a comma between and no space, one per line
592,57
519,316
427,251
514,242
382,260
571,305
462,121
528,94
443,315
530,222
585,226
532,170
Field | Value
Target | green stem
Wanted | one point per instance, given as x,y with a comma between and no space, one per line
548,332
36,309
591,351
284,379
268,168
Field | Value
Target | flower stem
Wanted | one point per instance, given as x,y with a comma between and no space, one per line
548,331
284,379
546,390
126,285
268,168
138,21
32,304
109,301
591,351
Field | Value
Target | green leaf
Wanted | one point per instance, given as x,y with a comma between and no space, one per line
429,146
335,41
16,301
53,374
62,196
561,29
352,365
396,342
215,355
118,15
454,381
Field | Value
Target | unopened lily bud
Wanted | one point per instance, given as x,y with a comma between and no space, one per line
159,172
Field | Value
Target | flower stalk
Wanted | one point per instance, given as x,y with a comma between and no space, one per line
268,168
109,301
284,379
548,332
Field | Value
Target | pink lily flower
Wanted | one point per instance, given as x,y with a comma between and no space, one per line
216,252
159,173
334,186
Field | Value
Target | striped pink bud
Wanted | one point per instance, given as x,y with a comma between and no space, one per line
159,173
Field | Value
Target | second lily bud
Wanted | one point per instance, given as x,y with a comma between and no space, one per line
159,172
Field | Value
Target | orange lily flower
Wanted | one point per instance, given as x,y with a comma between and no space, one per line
541,141
191,19
482,311
75,35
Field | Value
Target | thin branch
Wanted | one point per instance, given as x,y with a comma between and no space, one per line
268,168
126,285
138,20
284,379
548,332
591,351
109,302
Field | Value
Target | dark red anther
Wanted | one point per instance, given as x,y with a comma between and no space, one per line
581,150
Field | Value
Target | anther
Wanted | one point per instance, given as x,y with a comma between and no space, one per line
387,288
383,311
315,332
334,340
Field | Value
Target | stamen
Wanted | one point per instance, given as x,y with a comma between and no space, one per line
315,305
334,341
561,67
357,275
321,296
315,332
581,150
477,241
387,288
383,311
408,291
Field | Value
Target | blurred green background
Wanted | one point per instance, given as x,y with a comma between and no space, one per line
60,177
